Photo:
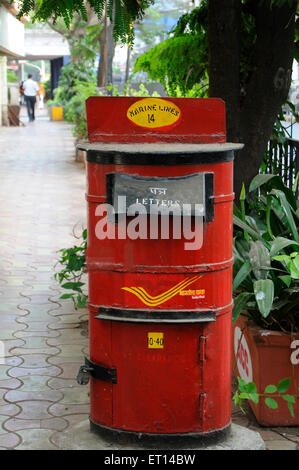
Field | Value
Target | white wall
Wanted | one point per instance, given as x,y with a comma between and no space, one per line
11,45
11,34
3,92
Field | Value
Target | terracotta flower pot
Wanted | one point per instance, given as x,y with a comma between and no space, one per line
266,357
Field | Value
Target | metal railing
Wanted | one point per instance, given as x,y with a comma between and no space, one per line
283,160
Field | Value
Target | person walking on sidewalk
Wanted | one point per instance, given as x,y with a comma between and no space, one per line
30,91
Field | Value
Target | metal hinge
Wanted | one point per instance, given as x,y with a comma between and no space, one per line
97,371
202,348
202,406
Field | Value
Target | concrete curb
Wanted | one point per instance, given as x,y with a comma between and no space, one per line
79,437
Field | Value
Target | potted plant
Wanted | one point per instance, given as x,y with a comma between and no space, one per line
55,106
266,301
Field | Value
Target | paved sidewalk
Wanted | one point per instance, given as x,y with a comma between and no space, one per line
42,197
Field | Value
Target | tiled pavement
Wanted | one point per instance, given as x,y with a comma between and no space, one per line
42,197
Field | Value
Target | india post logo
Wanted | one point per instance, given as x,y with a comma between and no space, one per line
154,301
154,113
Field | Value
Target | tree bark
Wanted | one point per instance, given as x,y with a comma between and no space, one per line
268,87
102,69
224,57
110,53
250,120
127,64
107,48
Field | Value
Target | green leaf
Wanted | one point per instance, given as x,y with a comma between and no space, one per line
283,385
291,409
72,285
242,384
243,248
236,398
244,395
271,403
273,182
236,211
279,244
259,180
251,222
259,258
81,301
289,398
66,296
270,389
287,211
242,193
286,279
254,397
244,226
250,387
240,303
264,295
294,267
284,258
242,274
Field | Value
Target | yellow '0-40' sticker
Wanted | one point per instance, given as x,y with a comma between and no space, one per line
155,340
154,113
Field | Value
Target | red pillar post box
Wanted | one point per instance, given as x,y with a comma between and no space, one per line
160,299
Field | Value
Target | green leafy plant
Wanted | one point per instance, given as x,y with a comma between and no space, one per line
11,76
180,62
75,110
71,74
73,264
248,391
266,255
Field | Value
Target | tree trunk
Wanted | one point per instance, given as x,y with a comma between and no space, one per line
269,85
127,64
110,53
224,58
102,69
251,120
107,48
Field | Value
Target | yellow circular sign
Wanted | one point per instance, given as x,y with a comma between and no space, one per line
154,113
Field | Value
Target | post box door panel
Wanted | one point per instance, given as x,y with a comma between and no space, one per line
100,353
159,377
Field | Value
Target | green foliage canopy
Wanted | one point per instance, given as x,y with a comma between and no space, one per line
122,13
181,61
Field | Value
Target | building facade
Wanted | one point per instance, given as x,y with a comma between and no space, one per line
11,45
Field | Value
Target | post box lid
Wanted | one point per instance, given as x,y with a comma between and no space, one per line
158,148
158,153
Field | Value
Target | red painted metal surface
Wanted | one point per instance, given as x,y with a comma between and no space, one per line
159,390
201,121
182,384
266,357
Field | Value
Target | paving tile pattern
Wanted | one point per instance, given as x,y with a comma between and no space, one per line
42,198
43,339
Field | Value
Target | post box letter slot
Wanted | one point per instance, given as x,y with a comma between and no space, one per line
190,195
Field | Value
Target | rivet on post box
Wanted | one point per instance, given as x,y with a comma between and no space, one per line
159,260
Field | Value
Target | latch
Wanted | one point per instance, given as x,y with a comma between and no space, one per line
83,374
97,371
202,348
